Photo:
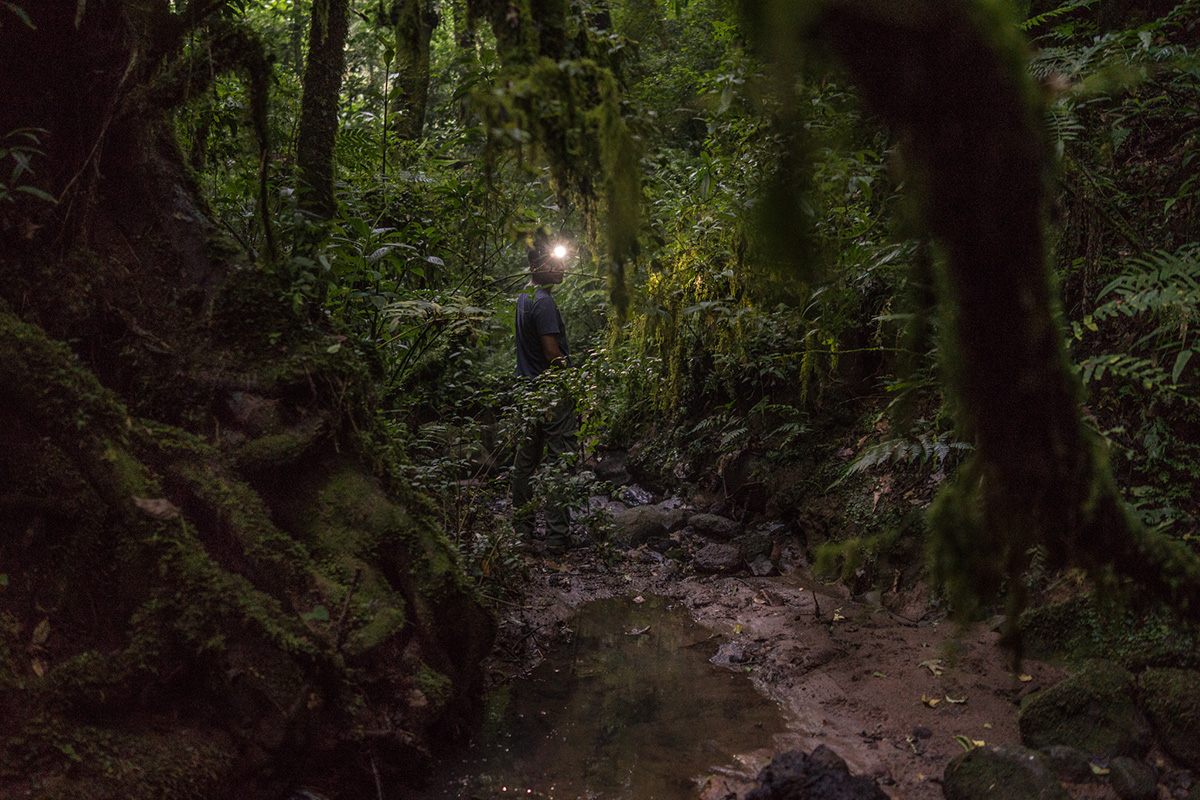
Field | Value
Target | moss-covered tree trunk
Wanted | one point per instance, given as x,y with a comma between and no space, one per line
951,77
209,590
322,83
415,23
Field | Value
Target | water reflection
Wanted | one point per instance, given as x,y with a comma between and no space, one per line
629,708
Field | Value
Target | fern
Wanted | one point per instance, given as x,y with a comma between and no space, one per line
935,451
1056,13
1163,288
1160,283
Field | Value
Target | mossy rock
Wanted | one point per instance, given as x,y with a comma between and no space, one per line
1093,711
1086,627
1171,698
1005,773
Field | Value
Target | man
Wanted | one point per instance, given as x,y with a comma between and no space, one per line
541,345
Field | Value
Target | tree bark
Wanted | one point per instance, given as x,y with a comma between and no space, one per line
321,89
415,23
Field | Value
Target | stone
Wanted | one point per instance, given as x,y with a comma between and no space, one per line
1069,763
1001,772
754,544
1132,779
1171,699
641,524
612,466
715,527
717,558
635,495
761,566
1092,710
795,775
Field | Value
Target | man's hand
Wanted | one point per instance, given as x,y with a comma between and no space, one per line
552,351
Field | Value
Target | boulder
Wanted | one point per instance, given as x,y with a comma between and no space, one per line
641,524
822,775
754,544
1005,773
612,466
1132,779
718,558
715,526
1171,699
1069,764
1092,710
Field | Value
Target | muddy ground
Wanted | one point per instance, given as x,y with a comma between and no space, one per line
888,688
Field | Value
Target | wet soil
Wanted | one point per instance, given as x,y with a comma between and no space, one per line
888,693
627,706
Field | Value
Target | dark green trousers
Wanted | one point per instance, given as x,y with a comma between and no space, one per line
552,432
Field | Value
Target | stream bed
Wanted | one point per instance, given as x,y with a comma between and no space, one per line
628,707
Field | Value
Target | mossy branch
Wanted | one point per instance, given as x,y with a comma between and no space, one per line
950,76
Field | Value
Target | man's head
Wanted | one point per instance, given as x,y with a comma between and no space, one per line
547,260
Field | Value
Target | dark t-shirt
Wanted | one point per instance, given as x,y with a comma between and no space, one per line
537,317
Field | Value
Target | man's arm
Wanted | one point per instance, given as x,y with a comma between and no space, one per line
551,349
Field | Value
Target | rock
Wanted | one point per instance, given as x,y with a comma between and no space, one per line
635,495
612,466
641,524
754,544
715,527
822,775
718,558
1010,773
1132,779
1093,710
761,566
1171,698
1069,763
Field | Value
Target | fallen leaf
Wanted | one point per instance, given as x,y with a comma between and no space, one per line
1024,678
956,700
934,665
737,629
987,725
39,667
639,599
42,632
837,615
157,507
968,744
930,701
637,631
1098,770
878,674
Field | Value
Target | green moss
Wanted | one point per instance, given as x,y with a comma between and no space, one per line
83,762
1171,699
273,451
1092,710
1004,773
1090,627
437,688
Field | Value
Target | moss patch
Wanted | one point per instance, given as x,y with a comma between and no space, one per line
1093,711
1171,698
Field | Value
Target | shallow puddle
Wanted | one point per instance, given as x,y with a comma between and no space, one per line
629,708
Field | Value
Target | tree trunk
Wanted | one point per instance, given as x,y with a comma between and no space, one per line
415,23
319,105
231,588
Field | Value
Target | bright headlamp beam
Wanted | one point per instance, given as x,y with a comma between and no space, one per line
560,251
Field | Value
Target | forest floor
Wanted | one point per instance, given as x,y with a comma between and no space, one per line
847,674
886,681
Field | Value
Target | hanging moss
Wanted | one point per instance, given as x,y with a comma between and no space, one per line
950,77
